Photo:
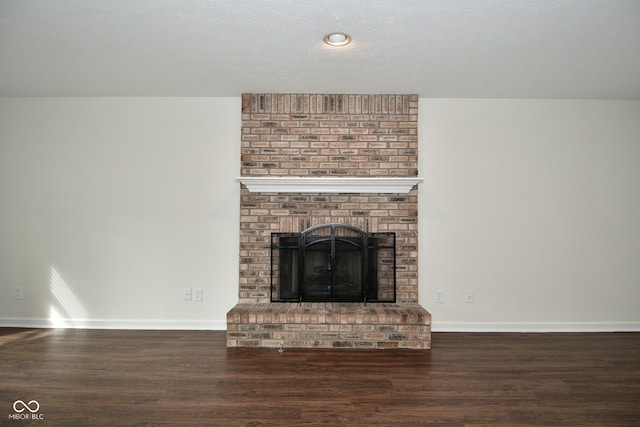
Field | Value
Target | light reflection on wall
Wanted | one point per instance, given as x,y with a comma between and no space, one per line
75,314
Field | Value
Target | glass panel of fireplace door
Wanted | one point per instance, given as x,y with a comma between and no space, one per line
333,276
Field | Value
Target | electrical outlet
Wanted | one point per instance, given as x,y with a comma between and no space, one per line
17,292
186,294
439,296
197,294
468,296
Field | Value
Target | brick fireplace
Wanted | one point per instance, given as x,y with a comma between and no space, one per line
314,159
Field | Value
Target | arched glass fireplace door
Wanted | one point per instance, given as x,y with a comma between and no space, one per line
333,262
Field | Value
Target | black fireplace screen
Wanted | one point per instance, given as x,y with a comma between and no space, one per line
333,262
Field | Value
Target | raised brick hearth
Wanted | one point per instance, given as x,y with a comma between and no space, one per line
333,136
329,325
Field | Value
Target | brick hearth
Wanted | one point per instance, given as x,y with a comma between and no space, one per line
329,325
302,135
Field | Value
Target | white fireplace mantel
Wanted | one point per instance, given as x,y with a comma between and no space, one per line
291,184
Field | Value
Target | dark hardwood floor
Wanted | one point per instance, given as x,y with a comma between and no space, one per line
114,377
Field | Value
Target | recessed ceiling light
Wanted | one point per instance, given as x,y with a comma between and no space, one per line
337,39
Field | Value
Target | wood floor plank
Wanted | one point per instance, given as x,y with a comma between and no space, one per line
119,377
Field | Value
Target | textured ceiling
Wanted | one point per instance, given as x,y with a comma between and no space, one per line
435,48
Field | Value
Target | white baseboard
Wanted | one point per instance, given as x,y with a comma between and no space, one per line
221,325
534,327
150,324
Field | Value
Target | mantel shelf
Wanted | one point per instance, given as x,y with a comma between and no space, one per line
289,184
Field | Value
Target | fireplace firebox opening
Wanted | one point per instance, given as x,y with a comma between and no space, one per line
333,262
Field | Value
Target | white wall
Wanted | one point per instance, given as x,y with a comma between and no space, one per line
110,206
534,205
